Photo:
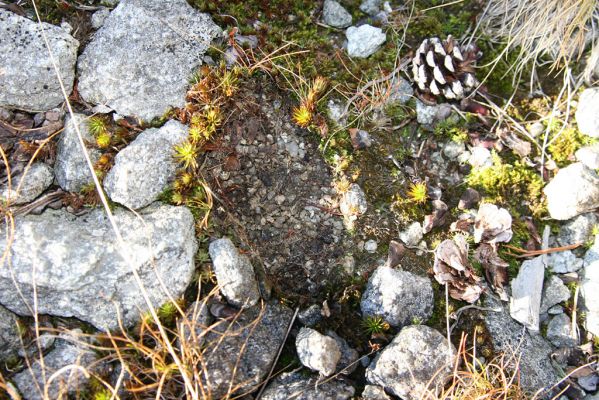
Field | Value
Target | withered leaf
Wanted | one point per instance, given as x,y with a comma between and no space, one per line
232,163
437,218
492,225
495,268
451,268
396,253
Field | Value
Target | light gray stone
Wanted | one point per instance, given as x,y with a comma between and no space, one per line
577,230
194,326
139,62
234,274
589,156
399,91
419,359
370,246
353,202
9,335
364,40
589,288
400,297
37,179
296,386
371,7
349,357
589,382
27,77
99,17
563,262
239,353
587,112
574,190
532,350
453,150
429,115
558,331
412,235
555,310
333,14
66,352
79,272
527,288
71,169
554,293
372,392
335,109
310,316
480,157
145,168
317,351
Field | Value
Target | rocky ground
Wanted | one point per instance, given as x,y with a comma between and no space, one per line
335,258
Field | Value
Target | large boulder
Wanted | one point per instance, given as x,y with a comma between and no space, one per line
74,266
574,190
296,386
144,168
28,80
139,62
239,353
400,297
416,362
71,169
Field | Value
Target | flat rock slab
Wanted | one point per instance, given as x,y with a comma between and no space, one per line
27,77
527,289
140,61
144,168
79,272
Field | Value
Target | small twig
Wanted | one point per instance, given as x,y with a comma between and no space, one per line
533,253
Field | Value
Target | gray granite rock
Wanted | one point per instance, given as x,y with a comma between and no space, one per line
527,288
317,351
574,190
296,386
310,316
577,230
589,156
371,7
372,392
555,292
234,274
400,297
563,262
243,357
587,112
30,185
453,150
9,335
349,357
412,235
31,382
27,78
364,40
333,14
145,168
353,202
79,271
536,371
399,91
589,288
139,62
429,115
71,169
417,360
99,17
558,331
194,326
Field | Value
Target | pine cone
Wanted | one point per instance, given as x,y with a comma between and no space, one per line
444,69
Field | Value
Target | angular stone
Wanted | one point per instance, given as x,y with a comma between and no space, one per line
400,297
574,190
353,202
589,288
317,351
27,77
145,168
429,115
9,335
563,262
71,169
417,360
67,352
372,392
577,230
554,293
333,14
364,41
412,235
240,353
349,357
139,62
371,7
527,288
37,179
74,260
587,112
296,386
589,156
234,274
558,331
533,352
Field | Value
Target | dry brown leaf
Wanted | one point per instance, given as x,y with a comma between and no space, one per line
492,225
495,268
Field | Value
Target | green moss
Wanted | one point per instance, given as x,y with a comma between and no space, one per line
565,144
454,129
497,66
510,185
